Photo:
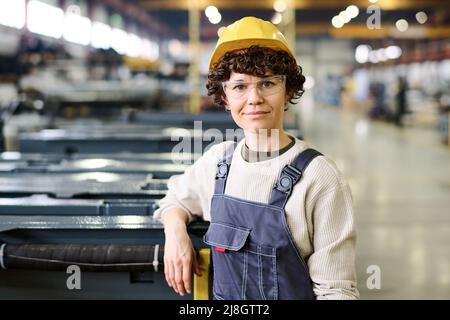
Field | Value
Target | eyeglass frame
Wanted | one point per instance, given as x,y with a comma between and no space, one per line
282,76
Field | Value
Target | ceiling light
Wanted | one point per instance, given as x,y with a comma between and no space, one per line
216,18
337,22
402,25
277,18
279,5
381,54
362,53
352,11
421,17
393,52
373,57
344,16
210,11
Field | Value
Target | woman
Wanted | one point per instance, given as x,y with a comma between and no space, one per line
281,214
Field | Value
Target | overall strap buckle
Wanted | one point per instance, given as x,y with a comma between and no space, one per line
224,165
289,176
222,169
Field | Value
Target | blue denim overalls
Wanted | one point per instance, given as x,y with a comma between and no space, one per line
254,256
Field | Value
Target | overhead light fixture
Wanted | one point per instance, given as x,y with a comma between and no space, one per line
100,35
421,17
381,54
277,18
134,45
150,49
211,11
393,52
77,29
344,16
279,5
402,25
12,13
213,14
337,22
45,19
119,40
352,11
373,57
362,53
216,18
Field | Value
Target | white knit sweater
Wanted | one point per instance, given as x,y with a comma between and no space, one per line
319,212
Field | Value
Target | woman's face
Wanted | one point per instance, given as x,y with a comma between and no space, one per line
256,103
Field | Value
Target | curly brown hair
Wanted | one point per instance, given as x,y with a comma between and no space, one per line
256,61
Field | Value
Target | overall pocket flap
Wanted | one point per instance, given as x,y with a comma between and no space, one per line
225,236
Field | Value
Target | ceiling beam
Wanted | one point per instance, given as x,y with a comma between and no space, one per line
360,31
135,12
299,4
354,31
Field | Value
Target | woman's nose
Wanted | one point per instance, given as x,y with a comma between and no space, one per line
254,96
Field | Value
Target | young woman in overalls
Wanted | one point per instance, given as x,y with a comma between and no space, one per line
281,213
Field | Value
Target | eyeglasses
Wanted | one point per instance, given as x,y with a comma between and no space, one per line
266,86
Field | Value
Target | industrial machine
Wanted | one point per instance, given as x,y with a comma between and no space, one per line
85,235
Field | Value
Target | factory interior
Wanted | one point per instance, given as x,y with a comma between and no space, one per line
103,102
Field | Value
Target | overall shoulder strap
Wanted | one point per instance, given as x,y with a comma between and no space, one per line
223,168
289,176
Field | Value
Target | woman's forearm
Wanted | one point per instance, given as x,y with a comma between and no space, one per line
175,220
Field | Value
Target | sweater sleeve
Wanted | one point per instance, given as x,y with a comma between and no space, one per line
193,189
332,264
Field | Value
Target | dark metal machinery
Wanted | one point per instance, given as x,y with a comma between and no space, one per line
54,215
115,254
113,241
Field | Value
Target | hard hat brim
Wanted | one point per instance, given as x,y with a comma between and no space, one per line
246,43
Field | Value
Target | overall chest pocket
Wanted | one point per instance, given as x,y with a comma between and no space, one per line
242,268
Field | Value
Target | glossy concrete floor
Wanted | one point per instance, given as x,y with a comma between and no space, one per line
400,180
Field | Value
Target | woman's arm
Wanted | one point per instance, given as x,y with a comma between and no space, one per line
332,265
179,254
188,197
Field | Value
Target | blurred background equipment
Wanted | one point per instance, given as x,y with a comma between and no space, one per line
101,102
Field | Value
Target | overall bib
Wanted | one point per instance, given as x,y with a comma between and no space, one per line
254,256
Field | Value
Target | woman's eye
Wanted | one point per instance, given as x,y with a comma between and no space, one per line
267,84
239,87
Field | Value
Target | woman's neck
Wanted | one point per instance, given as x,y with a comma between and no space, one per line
266,140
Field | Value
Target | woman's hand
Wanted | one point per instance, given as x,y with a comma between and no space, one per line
180,258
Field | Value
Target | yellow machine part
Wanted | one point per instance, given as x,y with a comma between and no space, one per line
141,64
201,284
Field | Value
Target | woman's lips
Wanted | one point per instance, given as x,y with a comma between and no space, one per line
256,113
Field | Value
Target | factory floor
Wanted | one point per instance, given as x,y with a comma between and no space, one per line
400,180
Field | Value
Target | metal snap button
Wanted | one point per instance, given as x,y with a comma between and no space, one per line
285,182
223,169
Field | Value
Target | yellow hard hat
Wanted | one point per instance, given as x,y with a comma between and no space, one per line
246,32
